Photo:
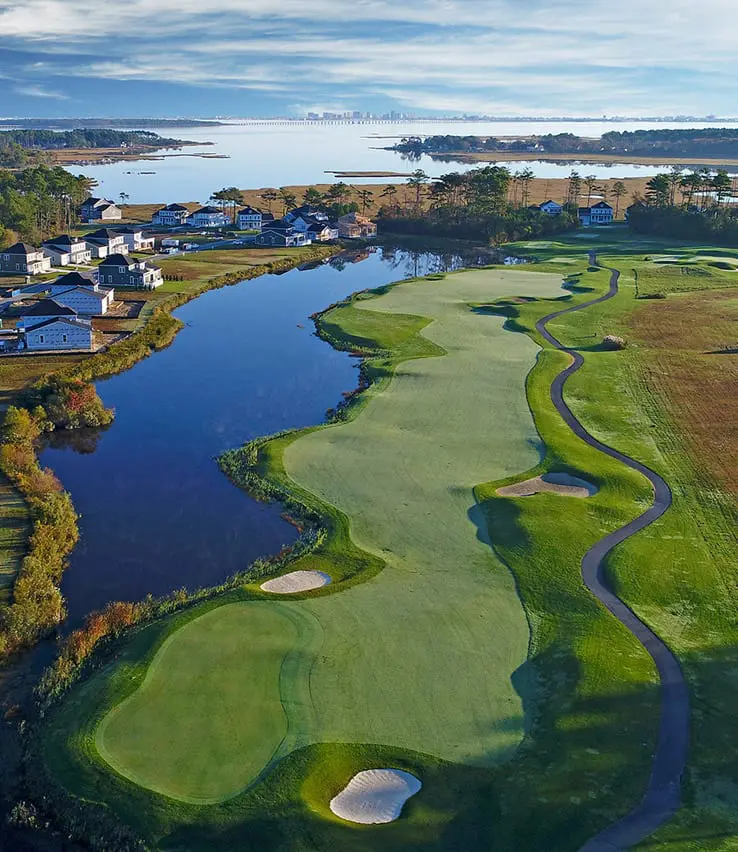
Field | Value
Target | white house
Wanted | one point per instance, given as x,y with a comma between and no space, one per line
307,211
59,333
208,217
552,208
321,232
171,216
599,214
99,209
87,301
105,242
249,219
124,271
67,251
24,260
135,238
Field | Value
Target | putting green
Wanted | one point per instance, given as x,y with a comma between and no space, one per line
419,657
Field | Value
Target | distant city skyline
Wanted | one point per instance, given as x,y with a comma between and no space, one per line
635,58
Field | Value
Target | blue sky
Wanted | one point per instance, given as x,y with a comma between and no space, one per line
280,57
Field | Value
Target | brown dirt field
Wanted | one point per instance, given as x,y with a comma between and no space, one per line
693,364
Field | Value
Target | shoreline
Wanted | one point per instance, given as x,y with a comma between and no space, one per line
583,159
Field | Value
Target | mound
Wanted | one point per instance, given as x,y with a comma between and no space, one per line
375,796
554,483
296,581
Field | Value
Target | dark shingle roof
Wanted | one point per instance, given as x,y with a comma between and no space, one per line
20,248
250,211
74,279
102,234
64,240
602,205
116,260
48,308
174,207
208,209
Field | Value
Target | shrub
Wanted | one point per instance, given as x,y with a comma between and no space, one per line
612,342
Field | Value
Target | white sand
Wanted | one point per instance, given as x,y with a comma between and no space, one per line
555,483
296,581
375,796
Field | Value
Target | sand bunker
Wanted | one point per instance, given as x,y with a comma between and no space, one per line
297,581
556,483
375,796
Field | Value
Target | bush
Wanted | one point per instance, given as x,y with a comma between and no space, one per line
612,343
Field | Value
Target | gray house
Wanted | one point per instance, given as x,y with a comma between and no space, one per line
59,333
43,310
100,210
171,216
23,259
121,271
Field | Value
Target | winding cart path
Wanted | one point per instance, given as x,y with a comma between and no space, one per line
663,795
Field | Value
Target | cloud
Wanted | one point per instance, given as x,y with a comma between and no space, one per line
31,91
559,56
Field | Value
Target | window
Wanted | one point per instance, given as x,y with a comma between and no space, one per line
64,338
41,338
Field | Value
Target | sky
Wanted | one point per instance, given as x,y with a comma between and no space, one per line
138,58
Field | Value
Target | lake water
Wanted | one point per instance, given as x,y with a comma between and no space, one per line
273,154
156,512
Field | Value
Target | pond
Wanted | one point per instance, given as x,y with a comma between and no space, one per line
156,512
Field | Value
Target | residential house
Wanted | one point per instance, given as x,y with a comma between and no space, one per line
122,271
67,251
106,242
23,259
136,239
355,226
87,301
100,209
208,217
307,211
321,232
171,216
552,208
280,233
43,310
598,214
249,219
59,333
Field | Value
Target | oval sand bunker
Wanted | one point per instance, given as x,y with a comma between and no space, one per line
375,796
555,483
296,581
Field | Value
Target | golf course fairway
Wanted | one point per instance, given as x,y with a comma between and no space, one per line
428,654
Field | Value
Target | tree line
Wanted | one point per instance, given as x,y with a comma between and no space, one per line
38,202
489,203
708,143
697,205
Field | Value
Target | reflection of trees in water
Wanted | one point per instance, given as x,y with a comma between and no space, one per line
82,441
427,261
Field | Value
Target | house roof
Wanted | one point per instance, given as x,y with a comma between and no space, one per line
102,234
20,248
98,294
550,201
584,210
93,201
66,320
116,260
207,209
64,240
73,279
48,308
278,225
250,211
602,205
267,217
128,229
173,207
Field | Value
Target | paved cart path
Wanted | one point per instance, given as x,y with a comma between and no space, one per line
663,795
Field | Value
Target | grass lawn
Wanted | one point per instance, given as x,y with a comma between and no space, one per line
531,729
